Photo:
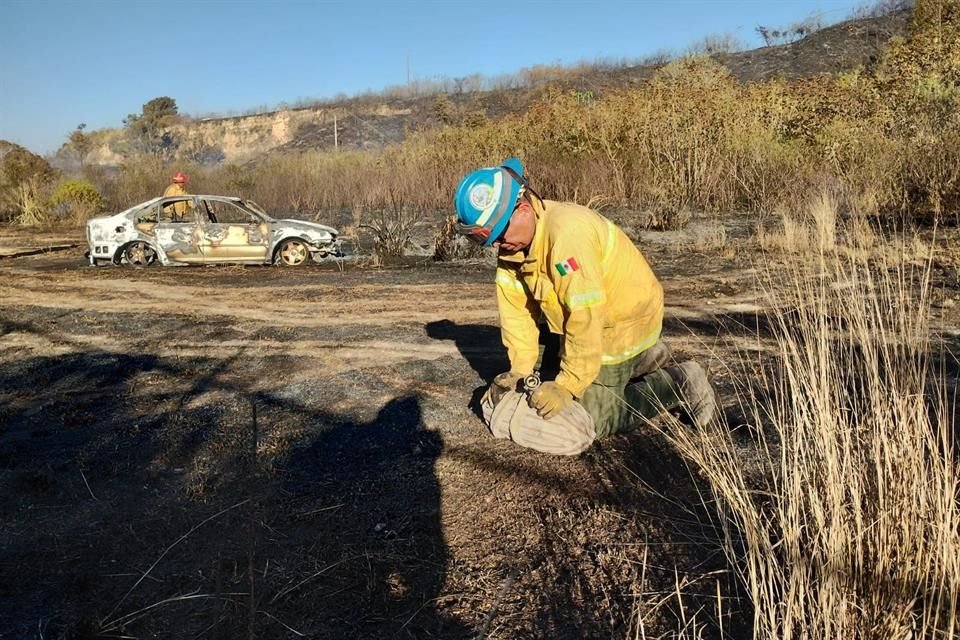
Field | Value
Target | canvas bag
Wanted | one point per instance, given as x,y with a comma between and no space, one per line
569,433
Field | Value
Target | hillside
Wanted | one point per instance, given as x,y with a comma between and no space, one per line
372,122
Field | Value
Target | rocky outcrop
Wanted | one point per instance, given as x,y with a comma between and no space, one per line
242,138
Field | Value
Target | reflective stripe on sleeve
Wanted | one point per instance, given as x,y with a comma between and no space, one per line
509,282
586,300
642,346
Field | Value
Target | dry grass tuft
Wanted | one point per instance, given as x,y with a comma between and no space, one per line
841,517
791,236
812,231
712,238
849,526
32,204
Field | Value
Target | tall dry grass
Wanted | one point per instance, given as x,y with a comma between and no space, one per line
841,519
31,197
812,229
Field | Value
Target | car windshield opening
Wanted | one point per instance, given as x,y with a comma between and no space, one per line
253,205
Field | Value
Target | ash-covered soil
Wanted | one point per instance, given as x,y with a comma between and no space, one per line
225,452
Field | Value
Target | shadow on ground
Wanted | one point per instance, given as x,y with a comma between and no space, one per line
157,497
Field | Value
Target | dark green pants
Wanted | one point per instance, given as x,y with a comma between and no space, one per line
623,395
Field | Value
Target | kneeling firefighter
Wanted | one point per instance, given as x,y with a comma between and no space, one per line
569,266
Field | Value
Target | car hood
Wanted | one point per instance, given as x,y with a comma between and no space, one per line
303,225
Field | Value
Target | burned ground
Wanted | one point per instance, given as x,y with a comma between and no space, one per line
222,452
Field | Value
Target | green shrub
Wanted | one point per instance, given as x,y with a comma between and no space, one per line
76,201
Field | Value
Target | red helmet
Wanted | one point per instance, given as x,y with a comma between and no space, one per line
180,178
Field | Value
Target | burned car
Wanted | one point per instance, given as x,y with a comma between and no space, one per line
192,229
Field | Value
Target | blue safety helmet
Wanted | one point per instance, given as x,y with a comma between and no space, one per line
486,199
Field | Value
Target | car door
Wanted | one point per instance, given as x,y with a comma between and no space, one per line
231,233
177,231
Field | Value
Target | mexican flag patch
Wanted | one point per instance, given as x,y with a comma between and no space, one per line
567,266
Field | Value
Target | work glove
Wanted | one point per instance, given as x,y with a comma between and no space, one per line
504,382
550,399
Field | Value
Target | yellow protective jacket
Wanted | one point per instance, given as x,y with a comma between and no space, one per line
586,278
179,208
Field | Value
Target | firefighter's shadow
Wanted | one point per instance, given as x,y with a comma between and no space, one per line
308,506
481,346
375,526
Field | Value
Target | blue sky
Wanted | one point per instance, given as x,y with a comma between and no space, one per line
65,62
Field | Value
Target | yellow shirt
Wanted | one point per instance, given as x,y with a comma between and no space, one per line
585,277
179,208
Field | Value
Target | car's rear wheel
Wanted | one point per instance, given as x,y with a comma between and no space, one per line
139,255
292,253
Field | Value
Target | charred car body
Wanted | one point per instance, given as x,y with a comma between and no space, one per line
199,229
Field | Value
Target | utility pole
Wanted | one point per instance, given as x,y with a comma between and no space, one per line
336,144
408,68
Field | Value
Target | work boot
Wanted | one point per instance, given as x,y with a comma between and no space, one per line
699,400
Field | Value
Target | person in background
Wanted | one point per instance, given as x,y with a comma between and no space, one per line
177,187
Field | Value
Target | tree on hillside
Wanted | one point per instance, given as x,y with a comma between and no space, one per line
160,107
149,130
791,33
80,143
717,43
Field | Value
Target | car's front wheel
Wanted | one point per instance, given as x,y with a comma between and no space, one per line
292,253
139,255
